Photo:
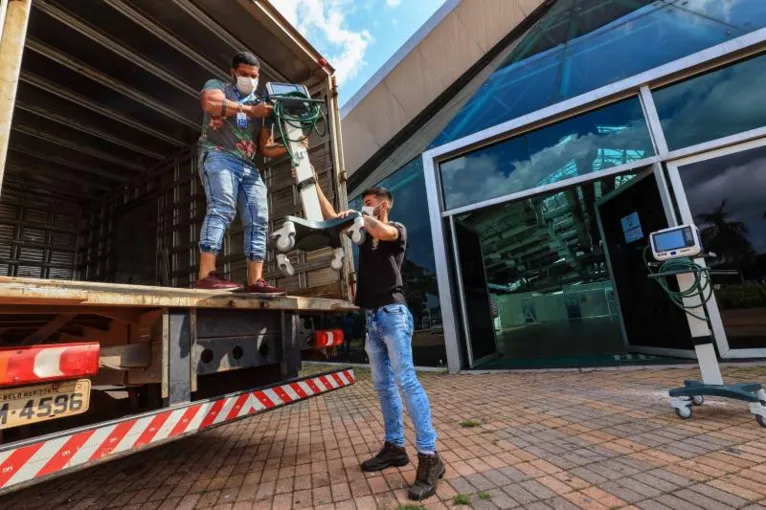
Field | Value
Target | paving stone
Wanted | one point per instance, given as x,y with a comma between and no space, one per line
543,430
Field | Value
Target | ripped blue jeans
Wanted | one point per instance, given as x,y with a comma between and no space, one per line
389,347
231,183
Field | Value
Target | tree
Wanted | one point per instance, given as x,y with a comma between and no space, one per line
727,239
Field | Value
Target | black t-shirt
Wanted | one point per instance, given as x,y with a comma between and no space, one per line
380,271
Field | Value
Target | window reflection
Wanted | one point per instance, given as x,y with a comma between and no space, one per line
546,271
727,199
717,104
418,270
604,138
581,45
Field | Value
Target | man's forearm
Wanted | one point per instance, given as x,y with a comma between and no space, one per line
379,230
215,106
328,211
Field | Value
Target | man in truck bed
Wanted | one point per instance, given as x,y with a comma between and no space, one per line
233,118
380,291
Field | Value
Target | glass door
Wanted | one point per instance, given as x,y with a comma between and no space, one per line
651,324
724,194
476,302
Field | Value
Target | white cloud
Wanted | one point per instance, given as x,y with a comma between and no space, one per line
323,22
393,3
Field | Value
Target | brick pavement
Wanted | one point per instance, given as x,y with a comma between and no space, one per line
596,440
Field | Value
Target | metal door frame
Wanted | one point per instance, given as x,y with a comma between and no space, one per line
714,314
472,363
667,206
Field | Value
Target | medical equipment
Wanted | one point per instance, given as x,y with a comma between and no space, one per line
296,115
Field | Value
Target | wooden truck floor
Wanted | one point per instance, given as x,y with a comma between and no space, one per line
17,293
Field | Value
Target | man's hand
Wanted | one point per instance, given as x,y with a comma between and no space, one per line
259,111
216,122
346,214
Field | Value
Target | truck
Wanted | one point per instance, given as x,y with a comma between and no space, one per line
105,346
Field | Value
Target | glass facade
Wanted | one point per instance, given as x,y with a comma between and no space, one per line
727,200
419,269
713,105
595,141
581,45
546,257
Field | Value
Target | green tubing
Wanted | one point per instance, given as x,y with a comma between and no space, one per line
308,120
700,288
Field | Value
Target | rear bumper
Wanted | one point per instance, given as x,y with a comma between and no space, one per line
25,463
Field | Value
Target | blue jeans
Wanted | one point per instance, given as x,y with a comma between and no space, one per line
389,347
230,182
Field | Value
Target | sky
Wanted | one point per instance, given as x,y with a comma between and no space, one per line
356,36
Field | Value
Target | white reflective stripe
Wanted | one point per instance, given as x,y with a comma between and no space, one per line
197,420
273,397
225,410
343,378
169,424
47,362
38,460
332,381
306,388
133,434
291,392
330,338
91,445
246,407
250,404
5,455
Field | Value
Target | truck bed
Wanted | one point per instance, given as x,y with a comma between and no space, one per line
20,292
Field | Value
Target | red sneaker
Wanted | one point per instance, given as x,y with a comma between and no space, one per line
264,287
214,281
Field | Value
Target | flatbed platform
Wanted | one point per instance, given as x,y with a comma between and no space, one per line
21,292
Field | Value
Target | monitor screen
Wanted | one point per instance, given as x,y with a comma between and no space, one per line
671,240
279,89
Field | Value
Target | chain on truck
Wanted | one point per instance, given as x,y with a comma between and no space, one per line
104,347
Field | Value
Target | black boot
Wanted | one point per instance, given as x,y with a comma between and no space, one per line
391,455
430,470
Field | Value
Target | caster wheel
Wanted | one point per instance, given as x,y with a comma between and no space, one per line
285,243
336,264
761,420
698,400
684,413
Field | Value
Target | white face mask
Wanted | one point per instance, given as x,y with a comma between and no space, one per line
247,85
369,211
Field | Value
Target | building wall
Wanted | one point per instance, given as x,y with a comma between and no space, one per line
468,31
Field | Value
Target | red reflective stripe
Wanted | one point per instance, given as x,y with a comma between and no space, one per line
212,413
240,402
154,426
313,386
338,379
349,375
16,461
65,453
325,382
297,389
111,442
283,395
266,401
183,423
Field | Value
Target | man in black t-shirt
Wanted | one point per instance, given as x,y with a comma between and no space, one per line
380,292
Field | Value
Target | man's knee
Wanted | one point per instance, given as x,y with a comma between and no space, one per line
221,212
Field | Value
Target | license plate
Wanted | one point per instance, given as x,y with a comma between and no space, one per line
31,404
